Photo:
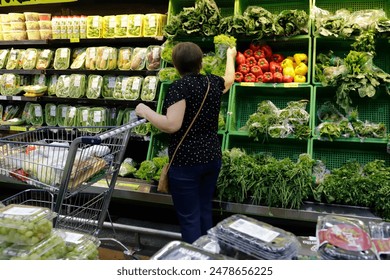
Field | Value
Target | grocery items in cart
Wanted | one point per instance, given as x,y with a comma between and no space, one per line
179,250
255,238
344,238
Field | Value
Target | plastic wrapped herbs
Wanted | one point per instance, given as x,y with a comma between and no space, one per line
344,238
178,250
254,238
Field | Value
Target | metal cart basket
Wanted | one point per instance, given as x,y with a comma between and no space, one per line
62,163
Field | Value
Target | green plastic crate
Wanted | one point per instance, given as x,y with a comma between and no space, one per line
244,101
289,47
341,48
278,148
376,110
351,5
335,154
275,7
176,6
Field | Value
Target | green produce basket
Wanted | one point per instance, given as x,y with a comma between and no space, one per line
341,48
176,6
375,110
244,101
275,7
350,5
278,148
293,45
335,154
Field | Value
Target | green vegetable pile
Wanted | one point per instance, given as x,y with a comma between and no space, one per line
150,170
360,185
270,120
356,73
264,180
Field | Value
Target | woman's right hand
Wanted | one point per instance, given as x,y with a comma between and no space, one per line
231,52
141,110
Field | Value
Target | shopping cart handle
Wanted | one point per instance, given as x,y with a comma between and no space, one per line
94,140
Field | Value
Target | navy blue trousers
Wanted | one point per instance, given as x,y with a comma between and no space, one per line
192,189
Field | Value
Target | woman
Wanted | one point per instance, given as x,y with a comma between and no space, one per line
195,168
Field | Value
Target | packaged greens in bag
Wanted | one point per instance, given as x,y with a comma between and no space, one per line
82,117
134,29
62,59
90,59
70,118
52,87
10,84
95,83
39,79
153,24
79,56
128,167
44,59
36,114
124,58
51,114
30,60
118,90
149,88
96,119
63,86
122,21
77,85
109,24
3,57
26,114
61,114
108,86
13,59
131,87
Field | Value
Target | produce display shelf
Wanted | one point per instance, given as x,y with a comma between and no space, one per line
22,71
357,140
101,72
18,98
309,211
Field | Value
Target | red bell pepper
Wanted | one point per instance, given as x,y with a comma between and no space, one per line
267,51
254,46
264,65
238,77
275,67
288,79
260,79
256,70
240,58
250,77
244,68
258,54
248,53
268,77
251,61
278,77
277,57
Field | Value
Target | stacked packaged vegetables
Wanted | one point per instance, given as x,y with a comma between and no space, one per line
82,117
124,58
109,24
153,58
51,114
52,85
44,59
94,26
131,87
90,58
108,86
122,22
259,240
96,119
344,238
153,24
35,114
149,88
3,57
95,84
138,59
62,59
106,58
10,84
15,59
61,114
134,29
70,116
77,85
178,250
78,58
63,86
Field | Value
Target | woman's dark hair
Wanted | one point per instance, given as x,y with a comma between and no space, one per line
187,58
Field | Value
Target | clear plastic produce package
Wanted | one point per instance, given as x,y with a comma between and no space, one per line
254,238
80,246
178,250
149,88
131,87
24,224
380,236
344,238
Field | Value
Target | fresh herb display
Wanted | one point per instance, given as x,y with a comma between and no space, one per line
264,180
168,74
150,170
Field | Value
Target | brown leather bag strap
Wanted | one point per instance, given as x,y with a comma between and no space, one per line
189,127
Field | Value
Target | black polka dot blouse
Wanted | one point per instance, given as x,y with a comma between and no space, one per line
201,145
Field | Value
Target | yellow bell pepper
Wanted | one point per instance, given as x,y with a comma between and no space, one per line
289,71
301,69
286,62
300,57
299,79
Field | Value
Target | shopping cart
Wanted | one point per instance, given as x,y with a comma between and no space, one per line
62,163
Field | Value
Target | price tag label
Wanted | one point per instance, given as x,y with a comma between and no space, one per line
137,20
84,115
17,98
38,111
75,40
53,111
136,84
291,85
